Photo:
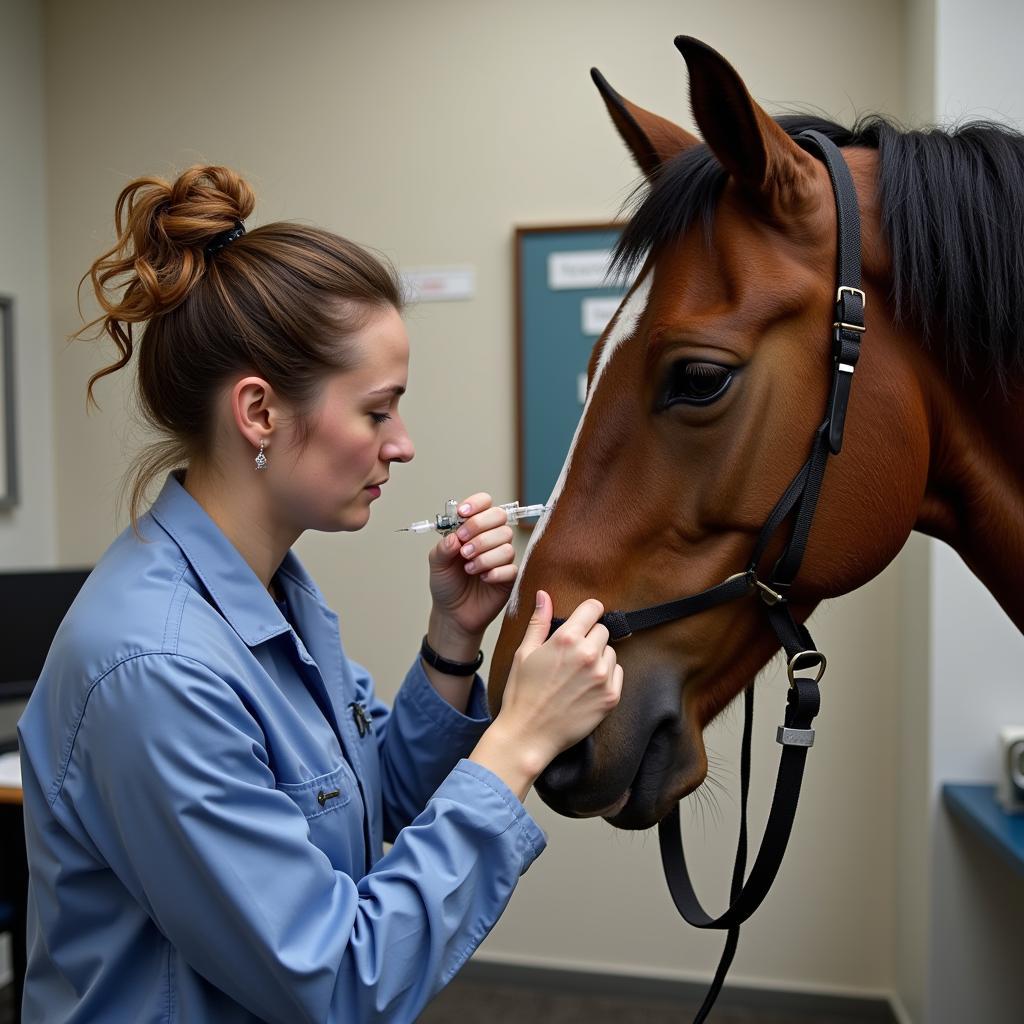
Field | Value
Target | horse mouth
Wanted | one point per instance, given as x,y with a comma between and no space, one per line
611,810
655,786
646,798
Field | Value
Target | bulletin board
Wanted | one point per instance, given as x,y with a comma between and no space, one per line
8,443
564,300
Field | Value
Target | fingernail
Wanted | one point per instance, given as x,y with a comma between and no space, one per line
470,566
468,550
464,510
540,599
452,541
462,534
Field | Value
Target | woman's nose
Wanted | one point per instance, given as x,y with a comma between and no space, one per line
398,447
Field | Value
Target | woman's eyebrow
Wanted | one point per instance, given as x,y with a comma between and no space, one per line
392,389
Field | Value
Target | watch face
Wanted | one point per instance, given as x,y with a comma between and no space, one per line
1015,755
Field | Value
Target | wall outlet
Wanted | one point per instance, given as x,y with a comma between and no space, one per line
1010,789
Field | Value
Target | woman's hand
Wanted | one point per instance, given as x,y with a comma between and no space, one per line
472,571
558,691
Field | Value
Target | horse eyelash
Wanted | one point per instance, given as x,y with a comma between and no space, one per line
705,369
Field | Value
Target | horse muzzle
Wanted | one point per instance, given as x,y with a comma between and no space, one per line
631,791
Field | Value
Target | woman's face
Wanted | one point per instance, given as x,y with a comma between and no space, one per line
355,435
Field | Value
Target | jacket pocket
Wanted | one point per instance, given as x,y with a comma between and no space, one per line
324,794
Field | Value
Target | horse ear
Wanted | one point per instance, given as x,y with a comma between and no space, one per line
747,141
651,139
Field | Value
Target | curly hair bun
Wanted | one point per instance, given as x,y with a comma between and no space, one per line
162,232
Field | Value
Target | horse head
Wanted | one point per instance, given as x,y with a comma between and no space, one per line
704,394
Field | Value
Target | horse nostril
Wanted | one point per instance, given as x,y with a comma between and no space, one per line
570,767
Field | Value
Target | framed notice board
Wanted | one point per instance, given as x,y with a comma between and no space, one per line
8,443
564,299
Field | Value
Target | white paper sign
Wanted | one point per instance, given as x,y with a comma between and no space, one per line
10,771
438,284
597,313
587,269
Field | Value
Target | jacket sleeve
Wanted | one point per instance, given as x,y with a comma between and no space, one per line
420,740
170,777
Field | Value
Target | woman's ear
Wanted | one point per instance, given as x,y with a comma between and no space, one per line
255,409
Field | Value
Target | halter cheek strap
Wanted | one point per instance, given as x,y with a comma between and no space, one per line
799,502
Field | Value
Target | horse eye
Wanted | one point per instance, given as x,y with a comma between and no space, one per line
693,383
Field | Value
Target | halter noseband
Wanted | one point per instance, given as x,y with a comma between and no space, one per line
795,734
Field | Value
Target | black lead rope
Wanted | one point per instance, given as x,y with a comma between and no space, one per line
803,701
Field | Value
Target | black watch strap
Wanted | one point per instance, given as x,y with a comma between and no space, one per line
450,668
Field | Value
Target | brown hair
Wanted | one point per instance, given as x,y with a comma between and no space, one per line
278,302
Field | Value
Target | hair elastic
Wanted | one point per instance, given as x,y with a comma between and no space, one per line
224,238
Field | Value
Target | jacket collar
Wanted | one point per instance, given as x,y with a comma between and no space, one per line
236,590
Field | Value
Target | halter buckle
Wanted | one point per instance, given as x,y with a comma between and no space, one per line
843,323
852,291
795,664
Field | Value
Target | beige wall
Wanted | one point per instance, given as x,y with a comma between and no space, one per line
429,130
28,532
975,901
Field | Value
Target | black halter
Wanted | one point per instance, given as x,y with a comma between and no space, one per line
796,734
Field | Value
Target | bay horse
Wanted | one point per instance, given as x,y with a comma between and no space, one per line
709,383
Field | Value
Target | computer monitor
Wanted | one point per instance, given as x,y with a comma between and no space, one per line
32,605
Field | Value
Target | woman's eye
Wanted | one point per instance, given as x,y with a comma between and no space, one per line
380,417
694,383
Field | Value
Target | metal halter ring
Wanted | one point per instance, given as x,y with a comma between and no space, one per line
794,664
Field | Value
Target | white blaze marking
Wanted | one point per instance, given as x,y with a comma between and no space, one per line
624,327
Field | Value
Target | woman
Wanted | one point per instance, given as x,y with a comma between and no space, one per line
208,779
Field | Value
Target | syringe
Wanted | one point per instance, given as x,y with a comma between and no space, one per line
450,520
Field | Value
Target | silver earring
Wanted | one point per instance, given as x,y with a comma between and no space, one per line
261,459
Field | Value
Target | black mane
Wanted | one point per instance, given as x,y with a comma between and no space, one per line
952,207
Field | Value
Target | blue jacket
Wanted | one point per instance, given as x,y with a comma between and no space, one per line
206,805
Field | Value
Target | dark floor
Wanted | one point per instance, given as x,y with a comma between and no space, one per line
475,1002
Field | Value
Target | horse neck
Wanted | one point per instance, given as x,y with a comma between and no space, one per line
974,499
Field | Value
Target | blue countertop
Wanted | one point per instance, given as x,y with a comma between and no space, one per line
977,807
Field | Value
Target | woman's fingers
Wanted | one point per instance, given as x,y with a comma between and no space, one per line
501,574
473,504
565,687
486,541
609,663
483,517
615,690
596,642
581,620
501,555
